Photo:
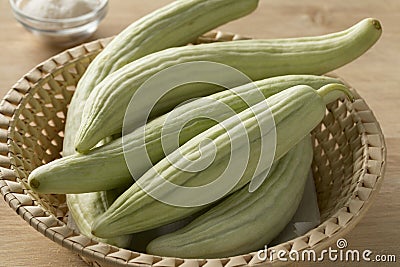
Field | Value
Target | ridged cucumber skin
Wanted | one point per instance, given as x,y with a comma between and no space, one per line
184,21
258,59
244,221
85,208
176,24
104,168
296,111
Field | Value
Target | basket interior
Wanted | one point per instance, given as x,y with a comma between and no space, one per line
348,145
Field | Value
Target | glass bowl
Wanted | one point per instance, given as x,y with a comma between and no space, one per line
61,31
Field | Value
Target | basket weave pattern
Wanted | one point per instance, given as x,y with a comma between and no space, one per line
348,166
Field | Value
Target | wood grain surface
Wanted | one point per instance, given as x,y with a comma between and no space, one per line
375,75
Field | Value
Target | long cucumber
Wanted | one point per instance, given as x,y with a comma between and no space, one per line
258,59
245,221
296,111
183,21
176,24
104,168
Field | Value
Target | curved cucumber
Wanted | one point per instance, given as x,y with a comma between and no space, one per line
105,108
104,168
176,24
296,111
184,21
244,221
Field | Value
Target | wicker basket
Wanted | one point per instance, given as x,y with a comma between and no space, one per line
348,167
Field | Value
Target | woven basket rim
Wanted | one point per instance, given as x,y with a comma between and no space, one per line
19,199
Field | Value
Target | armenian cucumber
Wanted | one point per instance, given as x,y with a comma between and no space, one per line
85,208
258,59
295,111
183,21
176,24
104,167
245,221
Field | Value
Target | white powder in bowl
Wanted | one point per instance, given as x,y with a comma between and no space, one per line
58,9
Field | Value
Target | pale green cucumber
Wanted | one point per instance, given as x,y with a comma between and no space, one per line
85,208
244,221
104,168
106,106
176,24
183,21
296,111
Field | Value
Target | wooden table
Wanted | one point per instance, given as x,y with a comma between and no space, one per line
375,75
